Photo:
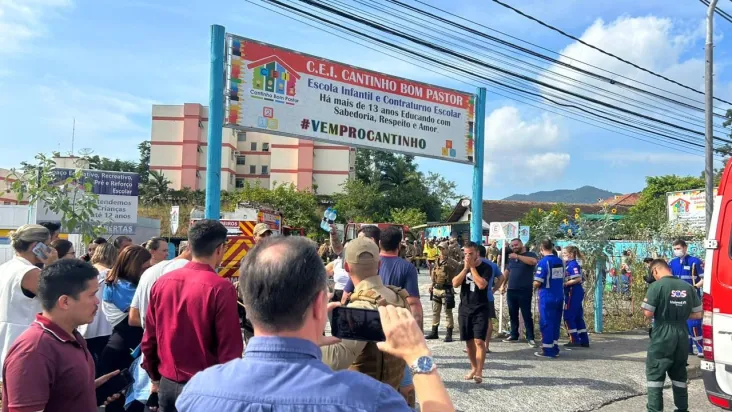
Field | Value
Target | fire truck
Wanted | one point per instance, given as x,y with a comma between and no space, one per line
240,226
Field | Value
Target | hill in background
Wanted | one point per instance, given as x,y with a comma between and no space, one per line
584,194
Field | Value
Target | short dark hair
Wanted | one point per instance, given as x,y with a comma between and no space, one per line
118,241
547,244
100,241
205,236
516,240
647,260
154,243
64,277
371,232
390,238
51,226
277,290
471,245
482,251
679,242
62,246
659,263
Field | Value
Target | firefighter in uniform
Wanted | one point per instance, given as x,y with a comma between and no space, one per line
671,302
441,290
690,269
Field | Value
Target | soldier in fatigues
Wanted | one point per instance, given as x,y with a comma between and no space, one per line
454,251
441,290
671,302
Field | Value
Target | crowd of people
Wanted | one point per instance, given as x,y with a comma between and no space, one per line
70,325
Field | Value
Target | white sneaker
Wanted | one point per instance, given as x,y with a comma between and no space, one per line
532,343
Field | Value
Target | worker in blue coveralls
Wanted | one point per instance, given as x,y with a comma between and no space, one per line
549,280
691,270
574,296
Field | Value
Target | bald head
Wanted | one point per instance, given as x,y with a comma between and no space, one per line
279,279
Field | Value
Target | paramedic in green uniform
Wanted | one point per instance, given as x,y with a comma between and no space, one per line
671,302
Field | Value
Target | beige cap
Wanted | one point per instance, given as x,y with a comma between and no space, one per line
260,229
363,252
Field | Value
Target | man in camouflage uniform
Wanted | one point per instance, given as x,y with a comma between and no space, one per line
441,290
454,250
362,264
410,254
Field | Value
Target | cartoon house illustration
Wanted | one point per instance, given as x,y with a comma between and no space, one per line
680,206
271,74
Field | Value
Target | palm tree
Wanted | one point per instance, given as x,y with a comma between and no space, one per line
156,190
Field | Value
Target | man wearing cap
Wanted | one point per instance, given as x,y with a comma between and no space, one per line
446,268
362,263
454,251
261,230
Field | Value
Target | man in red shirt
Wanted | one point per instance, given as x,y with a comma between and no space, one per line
192,320
49,368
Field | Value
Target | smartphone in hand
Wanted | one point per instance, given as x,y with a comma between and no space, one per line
116,384
41,251
357,324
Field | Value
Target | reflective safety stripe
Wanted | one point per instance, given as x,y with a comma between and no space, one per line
652,384
547,345
697,338
685,277
697,309
574,276
556,342
648,307
540,280
678,384
582,331
572,331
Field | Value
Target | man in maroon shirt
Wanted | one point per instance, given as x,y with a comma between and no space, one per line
48,368
192,320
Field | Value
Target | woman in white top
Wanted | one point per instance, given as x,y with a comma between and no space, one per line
340,278
97,333
19,279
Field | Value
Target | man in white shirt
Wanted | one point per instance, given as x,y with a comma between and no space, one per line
138,307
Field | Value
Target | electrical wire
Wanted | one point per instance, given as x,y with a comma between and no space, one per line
603,51
492,67
381,41
462,80
719,11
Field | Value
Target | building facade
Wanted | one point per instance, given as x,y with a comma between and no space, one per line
179,150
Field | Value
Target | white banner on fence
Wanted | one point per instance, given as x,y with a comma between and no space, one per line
503,230
687,206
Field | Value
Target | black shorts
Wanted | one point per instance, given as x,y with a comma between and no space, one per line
474,325
492,310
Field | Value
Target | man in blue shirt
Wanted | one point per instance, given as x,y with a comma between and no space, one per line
520,265
691,270
286,294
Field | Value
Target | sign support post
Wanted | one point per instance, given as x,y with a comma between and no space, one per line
215,122
476,221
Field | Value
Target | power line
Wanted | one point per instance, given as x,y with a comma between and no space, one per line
553,60
719,11
462,80
473,60
388,11
603,51
469,73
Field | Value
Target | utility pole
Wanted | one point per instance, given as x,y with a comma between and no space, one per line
709,116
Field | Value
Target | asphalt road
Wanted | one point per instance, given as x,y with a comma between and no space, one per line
609,376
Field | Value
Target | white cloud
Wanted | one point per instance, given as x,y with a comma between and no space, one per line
625,157
522,150
21,21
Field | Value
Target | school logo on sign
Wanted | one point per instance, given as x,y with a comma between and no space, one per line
272,75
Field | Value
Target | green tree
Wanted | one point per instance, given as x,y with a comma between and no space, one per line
410,217
156,190
361,202
650,212
143,168
545,223
72,198
445,191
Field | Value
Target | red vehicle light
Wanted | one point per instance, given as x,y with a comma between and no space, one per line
707,328
717,401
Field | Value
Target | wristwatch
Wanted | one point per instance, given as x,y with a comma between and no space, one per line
423,364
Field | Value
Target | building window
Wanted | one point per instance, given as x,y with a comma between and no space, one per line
252,169
254,146
265,169
241,137
265,147
239,183
241,160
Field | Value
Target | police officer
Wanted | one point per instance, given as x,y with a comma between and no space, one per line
671,302
441,290
691,270
454,250
549,280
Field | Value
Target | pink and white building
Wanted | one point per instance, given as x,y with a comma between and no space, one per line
179,151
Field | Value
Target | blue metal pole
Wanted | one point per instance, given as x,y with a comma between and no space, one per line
476,222
215,123
599,289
